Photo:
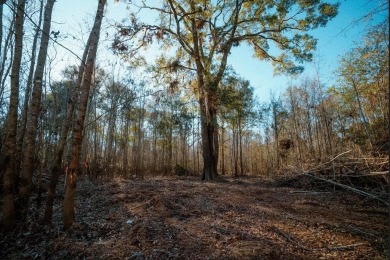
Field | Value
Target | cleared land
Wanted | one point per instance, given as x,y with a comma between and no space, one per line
184,218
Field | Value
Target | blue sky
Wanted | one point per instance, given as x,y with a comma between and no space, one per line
334,40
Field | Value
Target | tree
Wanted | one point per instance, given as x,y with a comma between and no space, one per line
34,111
363,88
205,32
11,124
70,193
72,87
236,108
6,55
27,94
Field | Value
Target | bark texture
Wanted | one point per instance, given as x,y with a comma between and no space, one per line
34,110
56,168
70,193
11,125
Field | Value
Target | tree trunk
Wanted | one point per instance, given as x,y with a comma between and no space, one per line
276,133
240,148
3,52
361,112
70,193
32,124
223,170
140,148
11,124
170,149
27,95
235,150
41,165
126,143
1,27
209,133
3,77
56,168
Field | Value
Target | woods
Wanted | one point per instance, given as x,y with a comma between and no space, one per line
118,112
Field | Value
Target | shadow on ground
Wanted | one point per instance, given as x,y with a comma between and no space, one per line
184,218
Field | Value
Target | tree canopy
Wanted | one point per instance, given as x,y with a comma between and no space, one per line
203,34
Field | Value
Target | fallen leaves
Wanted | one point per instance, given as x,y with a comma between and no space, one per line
169,218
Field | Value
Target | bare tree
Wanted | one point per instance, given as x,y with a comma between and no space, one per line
69,200
9,220
34,110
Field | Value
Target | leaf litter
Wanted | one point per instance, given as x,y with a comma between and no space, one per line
185,218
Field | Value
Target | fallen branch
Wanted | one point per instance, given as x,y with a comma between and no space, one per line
291,239
309,192
346,247
367,174
349,188
334,158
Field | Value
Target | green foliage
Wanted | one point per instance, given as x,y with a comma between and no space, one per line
363,78
210,29
236,99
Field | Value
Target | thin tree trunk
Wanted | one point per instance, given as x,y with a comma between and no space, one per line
41,164
154,147
9,221
234,150
3,52
2,87
126,144
223,170
34,110
240,144
170,149
193,144
56,168
95,165
276,134
197,152
70,194
362,115
294,106
140,139
23,120
1,28
4,57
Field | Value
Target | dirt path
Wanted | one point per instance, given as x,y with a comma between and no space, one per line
185,218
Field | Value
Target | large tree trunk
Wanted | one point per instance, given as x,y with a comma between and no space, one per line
207,104
33,115
11,124
70,193
209,133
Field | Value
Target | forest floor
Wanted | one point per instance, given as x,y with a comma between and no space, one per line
185,218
